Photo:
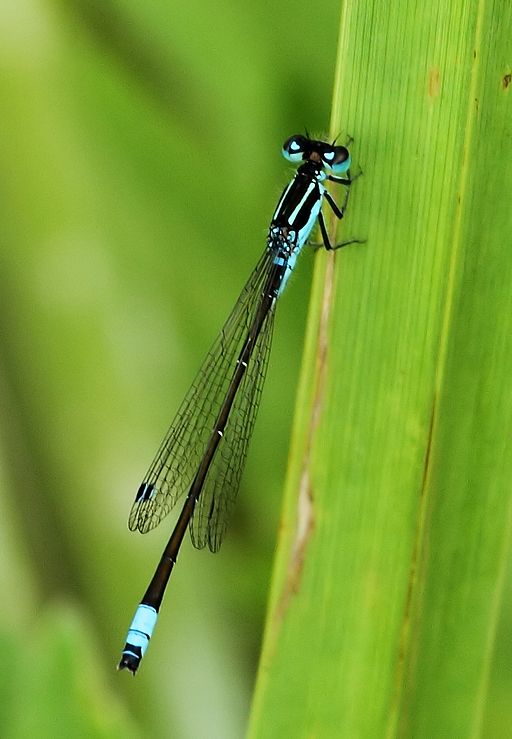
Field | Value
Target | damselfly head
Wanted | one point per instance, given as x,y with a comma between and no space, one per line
299,148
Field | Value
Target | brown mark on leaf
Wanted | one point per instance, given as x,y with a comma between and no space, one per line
434,82
507,79
304,527
305,522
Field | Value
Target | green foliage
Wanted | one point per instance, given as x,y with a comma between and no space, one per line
391,574
52,684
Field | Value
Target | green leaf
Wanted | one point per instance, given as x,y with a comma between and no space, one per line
390,572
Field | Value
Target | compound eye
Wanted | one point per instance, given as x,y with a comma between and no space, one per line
294,148
336,159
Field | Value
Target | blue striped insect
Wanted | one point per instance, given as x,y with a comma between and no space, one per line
204,451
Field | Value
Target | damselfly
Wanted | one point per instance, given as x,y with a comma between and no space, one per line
204,450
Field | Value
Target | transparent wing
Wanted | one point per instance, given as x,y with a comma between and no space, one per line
177,460
213,509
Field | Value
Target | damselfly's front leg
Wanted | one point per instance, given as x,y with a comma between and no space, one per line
339,212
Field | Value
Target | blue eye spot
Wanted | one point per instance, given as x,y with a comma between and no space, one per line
340,161
293,148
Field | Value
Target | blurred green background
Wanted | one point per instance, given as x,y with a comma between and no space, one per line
140,160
